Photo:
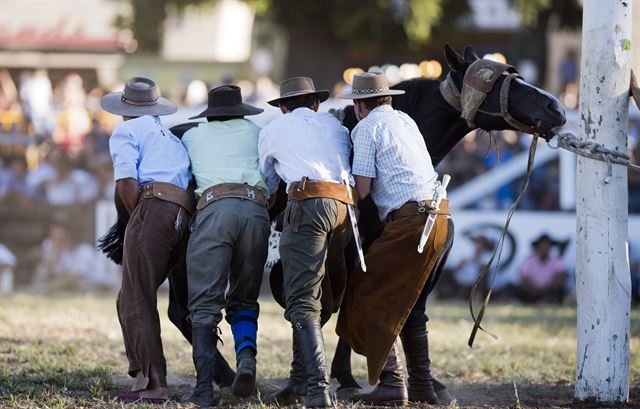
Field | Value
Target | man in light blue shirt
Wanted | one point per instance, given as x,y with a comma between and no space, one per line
229,238
151,169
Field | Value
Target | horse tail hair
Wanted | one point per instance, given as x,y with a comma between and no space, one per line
112,243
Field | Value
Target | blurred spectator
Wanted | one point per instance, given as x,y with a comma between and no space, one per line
7,266
458,282
73,118
634,264
66,264
36,95
14,185
568,69
60,184
543,275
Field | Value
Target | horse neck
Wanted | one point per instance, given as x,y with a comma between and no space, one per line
439,123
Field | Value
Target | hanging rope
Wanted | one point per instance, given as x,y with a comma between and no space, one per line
566,141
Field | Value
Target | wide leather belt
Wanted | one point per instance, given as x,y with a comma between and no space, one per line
312,189
416,208
167,192
237,190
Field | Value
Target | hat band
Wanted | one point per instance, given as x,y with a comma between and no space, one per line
369,90
139,103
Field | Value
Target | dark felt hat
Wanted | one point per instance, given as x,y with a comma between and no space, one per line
297,86
542,238
226,100
141,96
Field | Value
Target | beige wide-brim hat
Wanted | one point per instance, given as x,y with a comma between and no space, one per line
141,96
297,86
369,85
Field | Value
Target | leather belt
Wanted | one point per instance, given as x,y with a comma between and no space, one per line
417,208
312,189
167,192
237,190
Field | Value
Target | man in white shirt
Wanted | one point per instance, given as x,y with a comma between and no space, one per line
391,163
308,151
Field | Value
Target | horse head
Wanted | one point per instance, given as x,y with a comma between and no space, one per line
493,96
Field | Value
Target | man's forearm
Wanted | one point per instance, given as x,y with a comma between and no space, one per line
128,192
363,186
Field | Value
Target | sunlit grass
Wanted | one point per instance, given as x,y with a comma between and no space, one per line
66,351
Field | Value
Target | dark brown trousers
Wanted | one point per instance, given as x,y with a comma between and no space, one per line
154,242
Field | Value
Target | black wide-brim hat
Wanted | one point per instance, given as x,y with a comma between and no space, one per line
141,96
226,100
296,86
545,237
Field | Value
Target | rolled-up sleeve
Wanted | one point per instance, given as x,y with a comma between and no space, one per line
267,161
364,152
125,153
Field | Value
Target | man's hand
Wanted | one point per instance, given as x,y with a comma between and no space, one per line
272,199
363,186
128,191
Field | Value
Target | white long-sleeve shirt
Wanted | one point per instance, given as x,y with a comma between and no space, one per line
304,143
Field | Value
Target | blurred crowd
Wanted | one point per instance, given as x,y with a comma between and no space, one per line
55,166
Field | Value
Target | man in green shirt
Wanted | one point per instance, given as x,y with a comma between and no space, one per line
229,238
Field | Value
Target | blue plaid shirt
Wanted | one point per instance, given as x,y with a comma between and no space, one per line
389,148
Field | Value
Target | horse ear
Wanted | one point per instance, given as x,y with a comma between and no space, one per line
470,54
455,61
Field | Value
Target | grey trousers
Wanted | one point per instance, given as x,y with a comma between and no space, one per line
304,253
228,245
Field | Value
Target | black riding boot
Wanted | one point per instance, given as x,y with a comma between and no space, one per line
309,335
296,389
391,390
204,347
244,384
416,351
341,366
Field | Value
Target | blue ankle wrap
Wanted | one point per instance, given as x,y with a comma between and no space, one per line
244,326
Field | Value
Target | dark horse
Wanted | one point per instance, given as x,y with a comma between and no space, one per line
442,127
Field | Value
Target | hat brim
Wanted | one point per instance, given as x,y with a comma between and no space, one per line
231,110
351,95
323,95
112,102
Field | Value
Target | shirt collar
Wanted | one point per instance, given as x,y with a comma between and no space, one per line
302,111
383,108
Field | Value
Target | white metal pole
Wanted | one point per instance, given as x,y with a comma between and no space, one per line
603,282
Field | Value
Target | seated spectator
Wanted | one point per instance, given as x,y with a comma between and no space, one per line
543,275
458,282
66,265
7,266
62,185
15,187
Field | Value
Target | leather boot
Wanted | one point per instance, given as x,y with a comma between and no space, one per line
391,390
296,389
244,384
204,347
341,367
309,334
416,351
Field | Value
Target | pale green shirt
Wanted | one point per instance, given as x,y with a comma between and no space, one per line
225,152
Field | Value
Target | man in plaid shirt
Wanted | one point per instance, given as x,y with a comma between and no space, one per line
391,163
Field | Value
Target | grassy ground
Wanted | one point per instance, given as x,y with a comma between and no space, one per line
66,352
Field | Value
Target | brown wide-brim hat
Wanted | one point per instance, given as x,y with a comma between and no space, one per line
141,96
226,100
297,86
369,85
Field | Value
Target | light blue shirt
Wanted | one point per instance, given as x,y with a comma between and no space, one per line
388,147
225,152
143,149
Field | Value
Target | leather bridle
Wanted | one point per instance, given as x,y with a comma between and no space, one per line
477,84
